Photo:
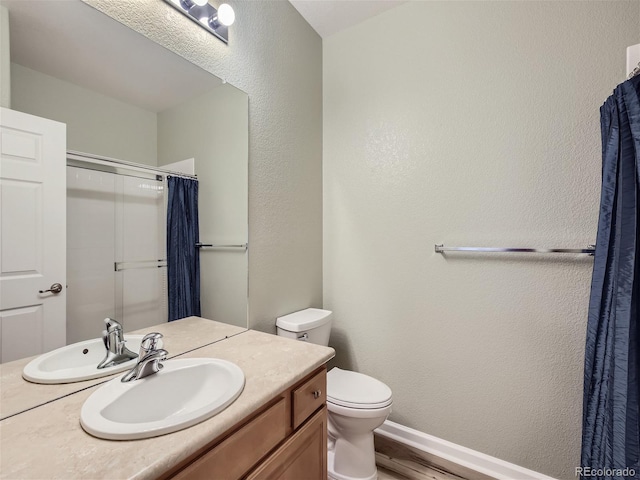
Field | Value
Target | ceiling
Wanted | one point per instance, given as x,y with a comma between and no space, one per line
331,16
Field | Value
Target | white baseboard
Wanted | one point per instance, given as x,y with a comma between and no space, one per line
479,462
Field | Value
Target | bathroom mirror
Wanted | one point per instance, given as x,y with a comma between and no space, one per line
124,97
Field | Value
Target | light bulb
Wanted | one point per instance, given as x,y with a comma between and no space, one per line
200,3
226,15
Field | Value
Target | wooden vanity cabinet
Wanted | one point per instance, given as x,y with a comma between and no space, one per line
285,440
302,456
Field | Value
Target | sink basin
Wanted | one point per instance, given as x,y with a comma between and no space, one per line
185,392
77,362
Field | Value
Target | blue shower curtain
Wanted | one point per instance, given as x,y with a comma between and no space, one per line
183,261
611,432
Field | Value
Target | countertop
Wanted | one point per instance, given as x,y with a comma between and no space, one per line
48,441
18,395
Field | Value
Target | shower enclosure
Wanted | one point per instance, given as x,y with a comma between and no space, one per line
116,248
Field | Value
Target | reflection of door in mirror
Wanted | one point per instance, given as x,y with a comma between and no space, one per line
32,235
115,231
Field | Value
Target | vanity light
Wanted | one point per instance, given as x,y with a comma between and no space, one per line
206,15
226,15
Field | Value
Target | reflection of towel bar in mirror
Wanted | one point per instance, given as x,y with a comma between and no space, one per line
243,246
441,249
136,264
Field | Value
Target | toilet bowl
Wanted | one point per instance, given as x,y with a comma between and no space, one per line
356,403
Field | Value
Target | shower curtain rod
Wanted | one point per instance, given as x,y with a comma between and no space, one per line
136,167
589,251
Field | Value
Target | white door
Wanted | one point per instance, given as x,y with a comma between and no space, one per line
32,234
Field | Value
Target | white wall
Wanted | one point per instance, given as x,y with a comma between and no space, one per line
5,59
276,58
96,124
470,123
212,128
633,57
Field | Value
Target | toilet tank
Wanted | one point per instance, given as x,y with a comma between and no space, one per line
310,325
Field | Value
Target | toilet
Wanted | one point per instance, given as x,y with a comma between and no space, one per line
357,404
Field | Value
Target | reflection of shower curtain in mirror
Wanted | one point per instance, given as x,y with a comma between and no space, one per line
183,260
114,219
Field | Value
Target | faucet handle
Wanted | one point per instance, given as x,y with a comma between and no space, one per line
112,325
149,343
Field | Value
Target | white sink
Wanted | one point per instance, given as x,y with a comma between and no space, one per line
185,392
77,362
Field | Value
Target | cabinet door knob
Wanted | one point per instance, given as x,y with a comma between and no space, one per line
317,393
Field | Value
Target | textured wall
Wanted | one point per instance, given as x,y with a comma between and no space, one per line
96,124
276,58
470,124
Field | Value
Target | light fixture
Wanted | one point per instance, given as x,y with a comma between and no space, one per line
206,15
226,15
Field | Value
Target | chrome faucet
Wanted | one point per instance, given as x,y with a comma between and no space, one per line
149,343
114,342
149,358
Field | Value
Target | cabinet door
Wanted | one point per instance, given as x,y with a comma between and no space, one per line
308,397
302,457
239,452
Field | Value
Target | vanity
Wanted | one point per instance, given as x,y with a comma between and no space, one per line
276,428
293,426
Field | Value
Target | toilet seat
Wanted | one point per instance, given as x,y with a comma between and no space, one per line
356,390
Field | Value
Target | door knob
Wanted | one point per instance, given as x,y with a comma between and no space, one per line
55,288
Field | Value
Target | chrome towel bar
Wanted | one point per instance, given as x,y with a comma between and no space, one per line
243,246
589,251
137,264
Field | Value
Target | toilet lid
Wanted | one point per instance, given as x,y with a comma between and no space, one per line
356,390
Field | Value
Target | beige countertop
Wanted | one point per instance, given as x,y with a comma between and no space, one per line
48,442
18,395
